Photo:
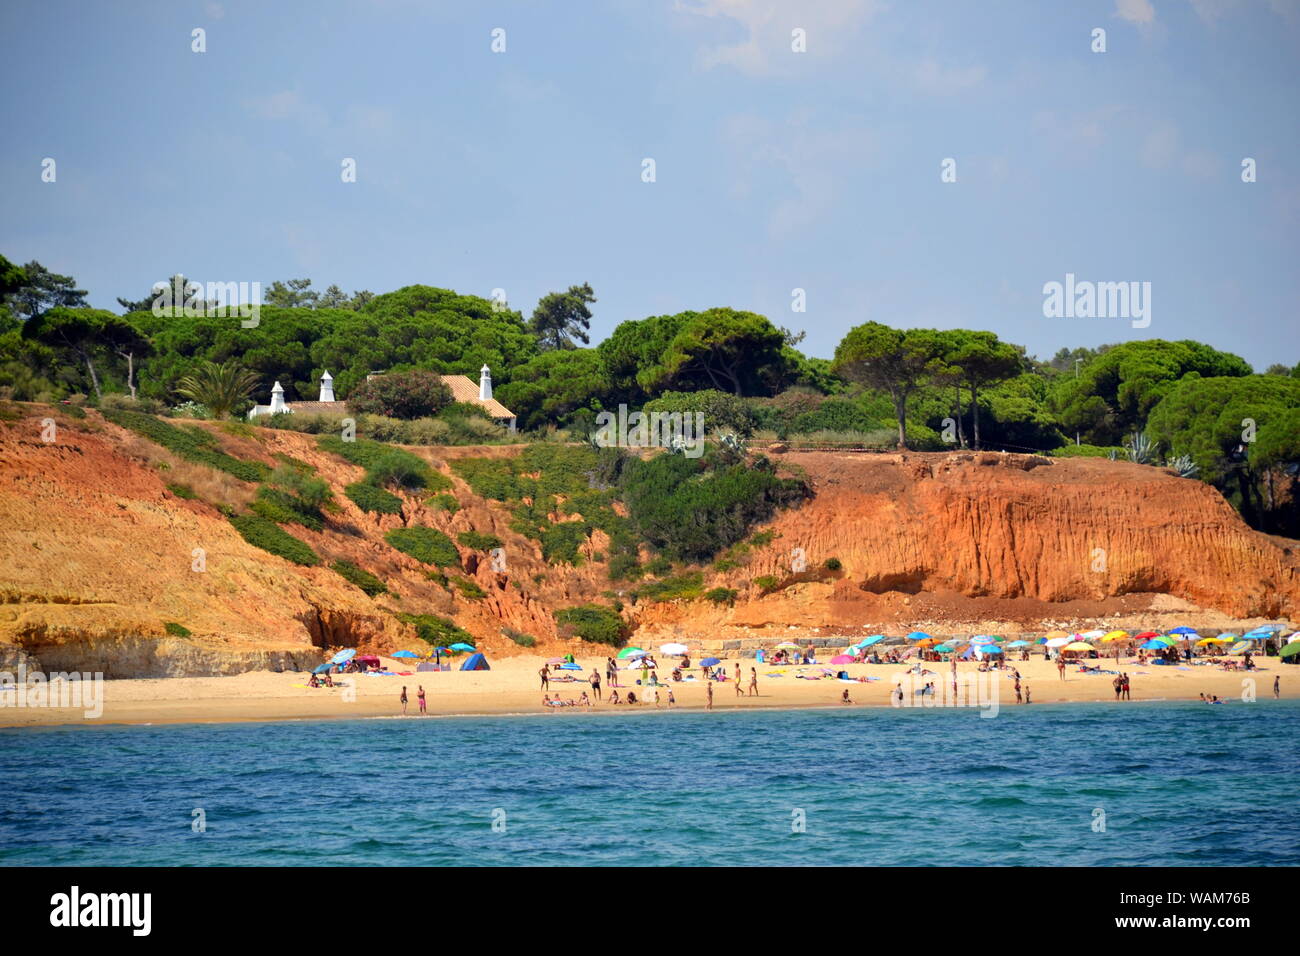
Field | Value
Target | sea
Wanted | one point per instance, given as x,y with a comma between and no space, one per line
1141,783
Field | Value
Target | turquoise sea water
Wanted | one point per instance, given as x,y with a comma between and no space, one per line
1179,784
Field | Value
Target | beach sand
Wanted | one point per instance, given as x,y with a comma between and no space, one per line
513,687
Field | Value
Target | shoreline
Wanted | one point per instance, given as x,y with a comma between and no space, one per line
512,689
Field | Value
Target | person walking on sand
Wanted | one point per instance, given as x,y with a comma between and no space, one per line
403,700
419,695
708,698
1060,666
753,682
737,673
595,684
739,686
545,674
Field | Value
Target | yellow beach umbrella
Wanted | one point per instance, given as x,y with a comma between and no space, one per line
1052,635
1077,646
1116,636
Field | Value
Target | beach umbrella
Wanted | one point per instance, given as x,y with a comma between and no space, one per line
1060,642
323,668
987,649
342,657
1077,646
943,649
1052,635
1018,644
869,641
1290,650
1093,635
1268,628
628,652
463,647
405,654
1115,636
918,636
1145,636
983,639
841,659
673,649
1153,645
636,655
710,662
1242,648
1184,629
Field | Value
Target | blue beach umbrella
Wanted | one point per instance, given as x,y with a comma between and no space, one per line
873,639
406,654
1154,645
323,668
462,647
342,657
918,636
710,662
1182,630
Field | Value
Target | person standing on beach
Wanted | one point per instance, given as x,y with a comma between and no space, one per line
1060,667
595,683
1026,693
611,672
419,695
1118,684
738,672
403,700
1019,697
708,699
1277,687
545,674
739,686
753,682
1128,690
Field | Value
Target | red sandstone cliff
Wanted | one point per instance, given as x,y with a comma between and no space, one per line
96,555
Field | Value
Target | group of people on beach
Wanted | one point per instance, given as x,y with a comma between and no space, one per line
419,696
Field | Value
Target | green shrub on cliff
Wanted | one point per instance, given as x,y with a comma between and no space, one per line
269,536
591,622
360,577
428,545
192,444
373,499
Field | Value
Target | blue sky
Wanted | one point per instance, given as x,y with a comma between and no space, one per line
775,170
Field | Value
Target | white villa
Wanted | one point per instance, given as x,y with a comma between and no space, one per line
462,390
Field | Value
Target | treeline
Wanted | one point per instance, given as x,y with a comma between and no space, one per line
1179,402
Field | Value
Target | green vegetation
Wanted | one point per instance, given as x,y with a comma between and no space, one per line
468,589
176,630
721,595
360,577
444,502
437,631
478,542
285,508
269,536
519,637
427,545
181,490
406,395
371,499
765,583
594,623
192,444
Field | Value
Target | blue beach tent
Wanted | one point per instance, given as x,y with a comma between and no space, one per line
475,662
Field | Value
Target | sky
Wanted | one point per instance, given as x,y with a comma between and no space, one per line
524,168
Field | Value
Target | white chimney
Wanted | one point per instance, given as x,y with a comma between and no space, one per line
326,387
277,398
484,384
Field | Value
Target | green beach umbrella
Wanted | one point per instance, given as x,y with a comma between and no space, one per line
942,649
627,652
1291,649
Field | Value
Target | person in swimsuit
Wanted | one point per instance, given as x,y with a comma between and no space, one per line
403,700
708,687
671,699
595,683
1277,687
753,682
631,697
545,674
419,695
845,698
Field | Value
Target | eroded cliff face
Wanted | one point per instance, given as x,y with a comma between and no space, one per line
97,556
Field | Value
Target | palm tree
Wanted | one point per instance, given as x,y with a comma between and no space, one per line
219,387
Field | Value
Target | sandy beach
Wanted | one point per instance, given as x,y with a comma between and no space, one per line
512,686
